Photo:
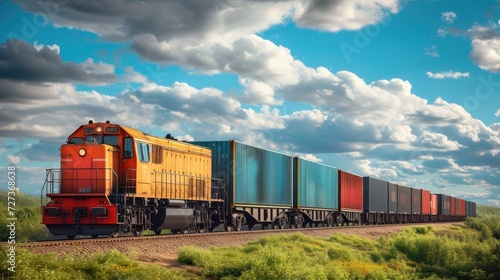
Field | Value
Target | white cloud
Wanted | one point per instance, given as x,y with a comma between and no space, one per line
485,48
447,75
52,47
345,14
133,76
497,114
449,17
441,32
432,51
13,160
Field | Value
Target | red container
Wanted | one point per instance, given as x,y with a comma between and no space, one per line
434,204
453,203
350,192
461,207
426,202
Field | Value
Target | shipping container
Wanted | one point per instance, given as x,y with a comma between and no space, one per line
315,184
443,204
351,192
453,203
426,202
473,212
404,200
375,194
434,204
467,208
254,176
393,198
461,207
416,201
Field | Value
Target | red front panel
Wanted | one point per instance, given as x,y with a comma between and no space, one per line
351,192
426,202
434,204
453,202
65,206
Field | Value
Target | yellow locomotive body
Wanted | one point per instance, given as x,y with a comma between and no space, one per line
114,179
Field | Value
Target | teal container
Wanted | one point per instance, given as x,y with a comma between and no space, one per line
254,176
316,185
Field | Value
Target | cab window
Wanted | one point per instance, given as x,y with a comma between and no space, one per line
143,151
110,140
128,148
75,140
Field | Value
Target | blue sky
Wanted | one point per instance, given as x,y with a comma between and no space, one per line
407,91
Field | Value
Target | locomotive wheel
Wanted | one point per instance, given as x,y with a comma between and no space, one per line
184,230
237,225
71,237
136,232
175,231
158,231
95,236
200,228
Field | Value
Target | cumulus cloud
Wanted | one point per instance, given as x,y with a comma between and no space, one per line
447,75
497,114
449,17
344,15
485,48
23,62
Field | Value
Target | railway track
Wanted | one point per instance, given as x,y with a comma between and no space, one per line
184,238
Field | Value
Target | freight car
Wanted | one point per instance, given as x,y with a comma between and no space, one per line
115,179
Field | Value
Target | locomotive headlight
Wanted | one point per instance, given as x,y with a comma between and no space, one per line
82,152
99,129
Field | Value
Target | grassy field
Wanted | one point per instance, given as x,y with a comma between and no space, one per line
471,251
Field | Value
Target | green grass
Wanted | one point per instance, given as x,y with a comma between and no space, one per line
470,251
29,218
103,266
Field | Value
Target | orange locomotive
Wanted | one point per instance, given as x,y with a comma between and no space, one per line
116,179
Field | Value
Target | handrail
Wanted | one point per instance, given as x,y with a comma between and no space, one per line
80,180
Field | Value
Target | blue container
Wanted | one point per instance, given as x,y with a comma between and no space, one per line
376,195
316,185
254,176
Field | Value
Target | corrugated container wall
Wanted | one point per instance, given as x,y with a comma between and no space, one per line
416,201
393,198
473,209
316,185
461,208
426,202
254,176
351,192
453,203
443,204
467,208
434,204
376,195
404,199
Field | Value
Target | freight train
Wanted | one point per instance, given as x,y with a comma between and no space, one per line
115,179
